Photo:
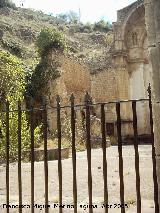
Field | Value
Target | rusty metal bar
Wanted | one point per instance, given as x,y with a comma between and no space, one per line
19,156
45,156
88,140
7,154
103,130
81,105
155,180
118,111
59,151
105,103
138,191
74,154
32,159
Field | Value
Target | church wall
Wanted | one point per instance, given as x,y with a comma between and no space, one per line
103,86
75,78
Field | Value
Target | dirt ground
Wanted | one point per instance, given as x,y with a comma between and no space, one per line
82,181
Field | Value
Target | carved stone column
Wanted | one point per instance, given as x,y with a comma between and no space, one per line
120,64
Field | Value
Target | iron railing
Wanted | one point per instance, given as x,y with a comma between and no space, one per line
72,108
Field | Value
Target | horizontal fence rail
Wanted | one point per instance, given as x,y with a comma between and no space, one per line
80,105
88,107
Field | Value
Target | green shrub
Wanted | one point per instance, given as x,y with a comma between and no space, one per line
50,38
101,26
88,27
12,81
12,86
7,3
13,47
38,80
25,134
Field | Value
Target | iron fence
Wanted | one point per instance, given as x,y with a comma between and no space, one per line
72,107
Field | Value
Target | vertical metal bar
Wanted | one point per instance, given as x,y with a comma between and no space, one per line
7,154
32,159
120,155
103,130
155,181
19,156
136,156
88,126
73,153
59,151
45,156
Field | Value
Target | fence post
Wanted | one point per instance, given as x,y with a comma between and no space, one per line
155,181
7,154
59,150
118,111
88,144
32,155
19,155
73,153
45,154
103,130
136,156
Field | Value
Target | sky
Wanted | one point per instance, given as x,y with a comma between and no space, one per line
91,10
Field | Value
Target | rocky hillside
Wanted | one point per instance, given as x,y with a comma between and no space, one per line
19,28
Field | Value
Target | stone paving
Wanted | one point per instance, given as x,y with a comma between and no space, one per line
82,181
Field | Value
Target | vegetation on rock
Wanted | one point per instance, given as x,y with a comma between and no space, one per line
37,80
19,29
37,85
50,38
102,26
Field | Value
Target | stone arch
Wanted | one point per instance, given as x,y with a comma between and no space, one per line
135,37
129,17
132,59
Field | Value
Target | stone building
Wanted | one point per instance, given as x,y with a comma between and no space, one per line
127,76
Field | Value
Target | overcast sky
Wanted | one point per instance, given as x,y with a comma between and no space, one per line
91,10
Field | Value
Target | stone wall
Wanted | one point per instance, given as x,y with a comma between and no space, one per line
103,86
75,78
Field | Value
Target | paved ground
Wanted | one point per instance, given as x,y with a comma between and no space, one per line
97,173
